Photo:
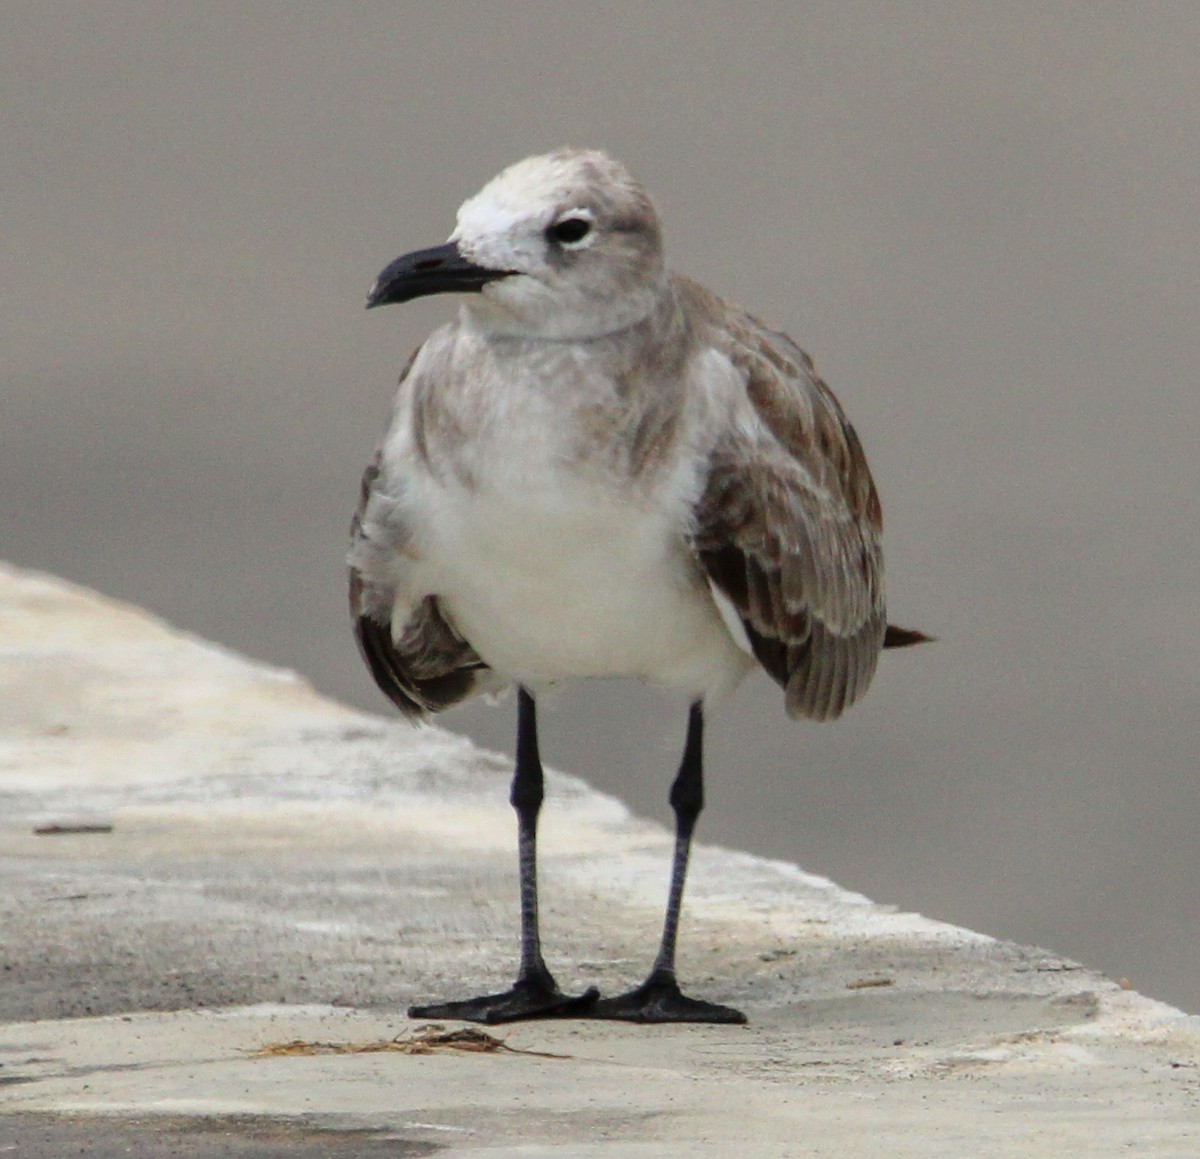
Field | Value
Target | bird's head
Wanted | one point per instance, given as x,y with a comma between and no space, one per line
561,246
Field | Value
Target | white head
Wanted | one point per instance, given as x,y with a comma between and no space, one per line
566,245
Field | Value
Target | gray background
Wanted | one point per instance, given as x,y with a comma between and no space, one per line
980,219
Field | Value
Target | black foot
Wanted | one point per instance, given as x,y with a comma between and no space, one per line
659,999
527,999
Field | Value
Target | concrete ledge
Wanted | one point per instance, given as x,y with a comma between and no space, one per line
282,868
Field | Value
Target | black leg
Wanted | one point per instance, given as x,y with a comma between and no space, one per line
535,994
659,998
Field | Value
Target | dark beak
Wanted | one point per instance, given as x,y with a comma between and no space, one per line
441,270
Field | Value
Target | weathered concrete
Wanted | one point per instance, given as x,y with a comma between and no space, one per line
280,867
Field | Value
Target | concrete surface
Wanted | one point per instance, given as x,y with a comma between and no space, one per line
282,869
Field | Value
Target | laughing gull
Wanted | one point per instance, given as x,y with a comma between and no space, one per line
600,468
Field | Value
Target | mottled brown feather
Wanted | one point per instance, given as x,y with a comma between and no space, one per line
427,666
788,525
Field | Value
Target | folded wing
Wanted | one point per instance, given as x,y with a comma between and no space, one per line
788,527
420,662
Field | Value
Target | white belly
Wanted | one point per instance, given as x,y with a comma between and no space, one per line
572,582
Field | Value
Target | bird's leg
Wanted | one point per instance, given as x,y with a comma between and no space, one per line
535,994
659,998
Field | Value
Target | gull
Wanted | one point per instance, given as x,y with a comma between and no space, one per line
600,468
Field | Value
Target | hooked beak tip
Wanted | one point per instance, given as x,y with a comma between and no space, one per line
440,270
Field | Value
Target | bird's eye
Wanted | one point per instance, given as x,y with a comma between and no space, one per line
569,231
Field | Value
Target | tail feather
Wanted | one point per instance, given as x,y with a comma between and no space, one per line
896,637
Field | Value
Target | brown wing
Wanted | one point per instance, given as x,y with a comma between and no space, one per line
426,666
788,527
429,668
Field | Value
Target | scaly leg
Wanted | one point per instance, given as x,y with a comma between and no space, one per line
535,994
659,998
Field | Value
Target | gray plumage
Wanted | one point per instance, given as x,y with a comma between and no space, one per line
603,469
624,386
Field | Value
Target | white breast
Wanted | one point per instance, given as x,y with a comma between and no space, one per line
551,573
571,590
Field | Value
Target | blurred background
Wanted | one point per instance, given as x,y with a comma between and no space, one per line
982,222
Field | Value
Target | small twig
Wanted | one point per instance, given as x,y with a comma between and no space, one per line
868,983
432,1039
59,830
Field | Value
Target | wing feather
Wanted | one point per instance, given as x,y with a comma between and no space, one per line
420,662
788,527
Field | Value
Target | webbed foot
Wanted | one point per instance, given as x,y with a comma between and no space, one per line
529,998
659,999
